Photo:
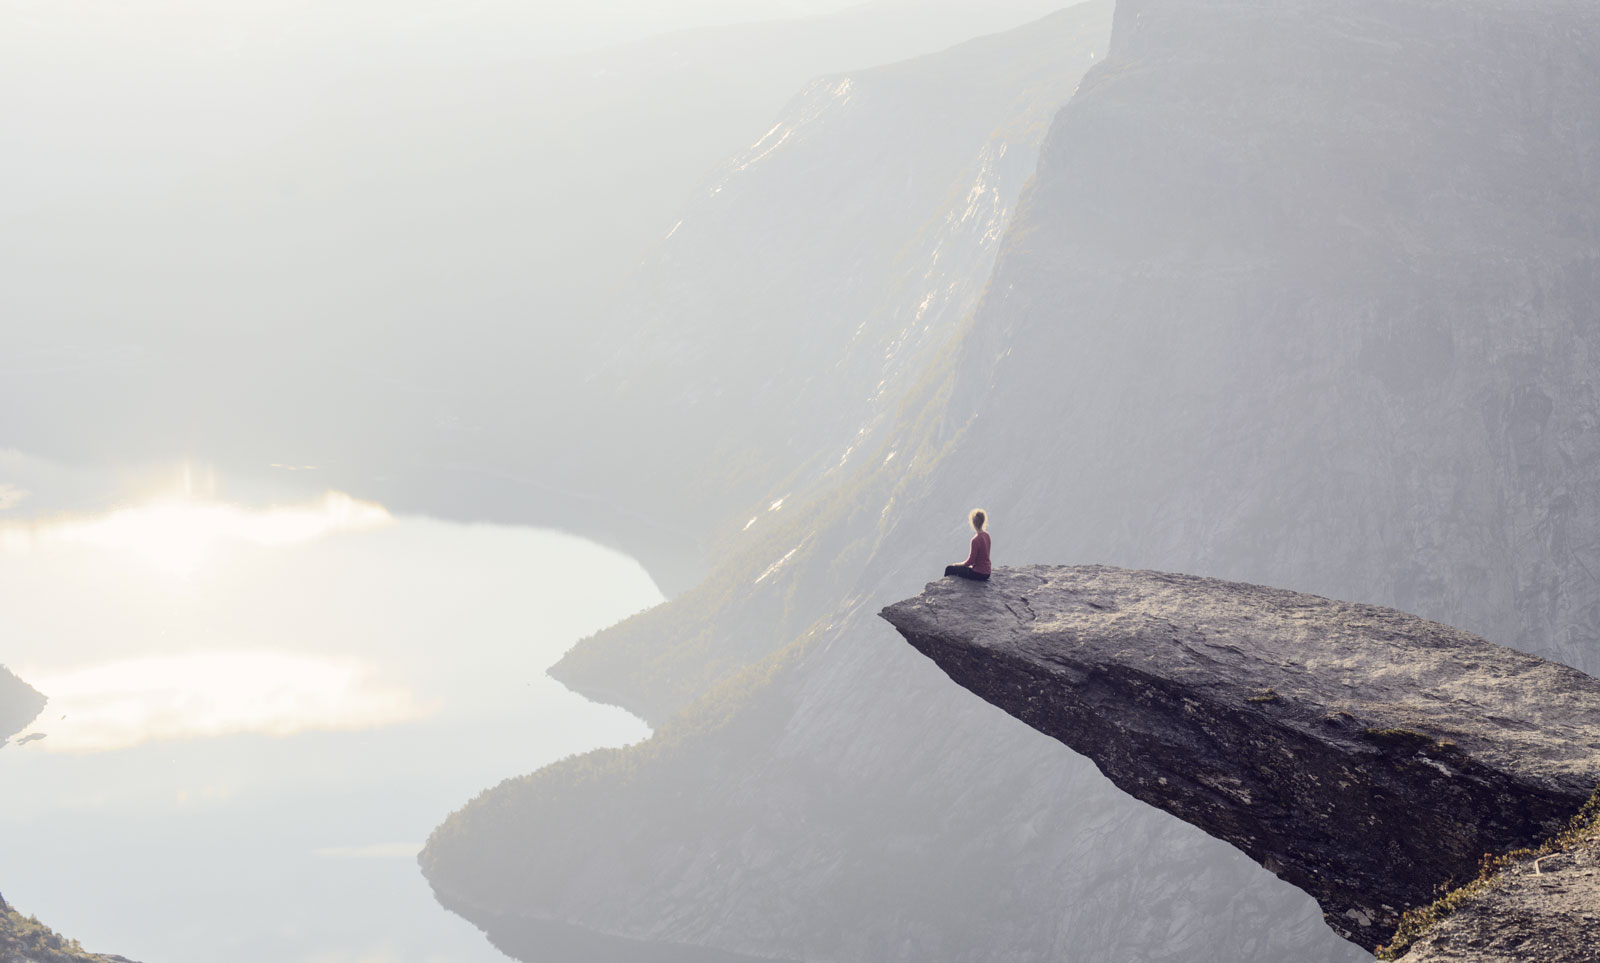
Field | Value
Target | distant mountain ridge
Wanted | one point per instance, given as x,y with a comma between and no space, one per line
20,704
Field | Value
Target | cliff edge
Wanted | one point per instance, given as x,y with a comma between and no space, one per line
1367,756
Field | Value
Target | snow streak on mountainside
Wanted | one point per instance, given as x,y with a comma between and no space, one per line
773,330
780,327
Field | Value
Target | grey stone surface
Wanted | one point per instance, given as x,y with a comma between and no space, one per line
1365,755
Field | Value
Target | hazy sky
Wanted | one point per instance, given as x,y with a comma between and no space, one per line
301,230
40,31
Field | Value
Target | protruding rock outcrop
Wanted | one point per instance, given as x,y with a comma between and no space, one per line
1365,755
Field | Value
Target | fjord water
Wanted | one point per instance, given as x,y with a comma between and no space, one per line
257,716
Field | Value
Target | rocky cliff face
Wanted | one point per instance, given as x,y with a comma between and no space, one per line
767,341
1367,756
1346,343
804,296
1303,293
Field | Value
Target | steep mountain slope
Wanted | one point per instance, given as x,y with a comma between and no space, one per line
1303,293
840,249
1347,345
794,306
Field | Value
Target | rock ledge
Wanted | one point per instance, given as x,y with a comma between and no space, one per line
1365,755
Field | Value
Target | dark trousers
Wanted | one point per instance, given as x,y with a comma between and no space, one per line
965,571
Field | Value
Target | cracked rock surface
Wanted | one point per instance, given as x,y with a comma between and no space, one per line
1363,754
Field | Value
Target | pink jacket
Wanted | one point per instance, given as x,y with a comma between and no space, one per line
978,557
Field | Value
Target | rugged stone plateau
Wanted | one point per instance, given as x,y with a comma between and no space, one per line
1367,756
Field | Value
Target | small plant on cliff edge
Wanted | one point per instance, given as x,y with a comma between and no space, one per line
1418,920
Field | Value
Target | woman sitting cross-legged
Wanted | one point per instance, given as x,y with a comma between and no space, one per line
976,567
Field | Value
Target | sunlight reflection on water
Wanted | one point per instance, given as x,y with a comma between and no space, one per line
176,535
114,705
117,704
274,706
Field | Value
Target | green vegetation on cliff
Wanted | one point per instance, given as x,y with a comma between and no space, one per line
1420,920
23,939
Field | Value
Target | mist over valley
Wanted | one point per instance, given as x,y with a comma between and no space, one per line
452,462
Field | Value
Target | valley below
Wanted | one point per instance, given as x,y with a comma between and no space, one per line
659,371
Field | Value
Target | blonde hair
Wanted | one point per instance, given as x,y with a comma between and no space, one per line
978,517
